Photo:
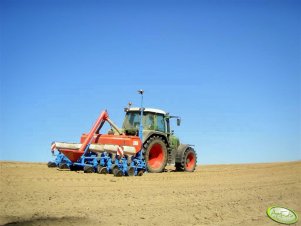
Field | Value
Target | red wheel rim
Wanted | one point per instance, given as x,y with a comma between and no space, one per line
190,161
156,156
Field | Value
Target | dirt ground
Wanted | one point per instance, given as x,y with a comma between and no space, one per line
32,194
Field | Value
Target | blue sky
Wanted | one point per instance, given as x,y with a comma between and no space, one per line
230,69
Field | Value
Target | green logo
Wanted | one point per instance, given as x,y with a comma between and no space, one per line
282,215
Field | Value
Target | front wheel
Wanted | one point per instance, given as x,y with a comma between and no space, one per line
188,162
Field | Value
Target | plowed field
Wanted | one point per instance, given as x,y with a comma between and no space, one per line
32,194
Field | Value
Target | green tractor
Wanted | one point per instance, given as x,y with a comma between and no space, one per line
160,146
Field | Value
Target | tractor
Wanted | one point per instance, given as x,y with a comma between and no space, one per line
145,143
160,145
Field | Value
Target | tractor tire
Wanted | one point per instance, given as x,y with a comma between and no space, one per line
155,154
188,162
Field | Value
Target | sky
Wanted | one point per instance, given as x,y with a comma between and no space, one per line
230,68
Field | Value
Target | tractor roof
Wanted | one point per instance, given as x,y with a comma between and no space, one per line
153,110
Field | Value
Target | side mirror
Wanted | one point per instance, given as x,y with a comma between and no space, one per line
178,121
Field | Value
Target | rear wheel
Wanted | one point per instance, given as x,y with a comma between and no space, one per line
155,154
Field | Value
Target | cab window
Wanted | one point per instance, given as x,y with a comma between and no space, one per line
160,123
148,121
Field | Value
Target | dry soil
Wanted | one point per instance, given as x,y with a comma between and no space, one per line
32,194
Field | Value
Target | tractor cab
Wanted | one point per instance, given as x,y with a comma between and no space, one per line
154,121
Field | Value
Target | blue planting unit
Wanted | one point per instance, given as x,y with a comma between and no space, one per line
128,166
